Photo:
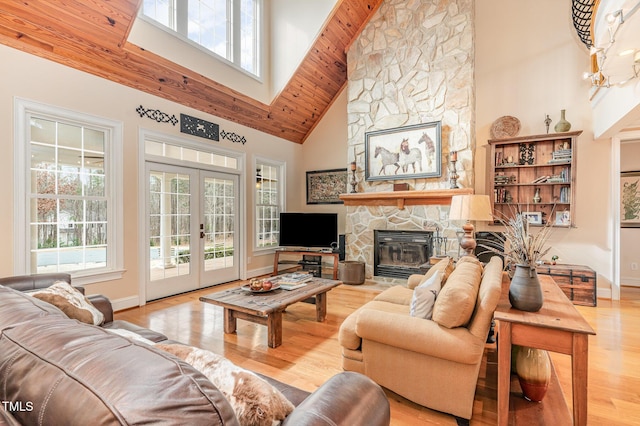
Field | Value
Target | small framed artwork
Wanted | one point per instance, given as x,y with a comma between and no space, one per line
534,218
630,199
404,152
325,186
563,218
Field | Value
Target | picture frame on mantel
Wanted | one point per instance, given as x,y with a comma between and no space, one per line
325,186
630,199
408,152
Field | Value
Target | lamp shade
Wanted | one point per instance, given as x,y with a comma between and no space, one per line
470,207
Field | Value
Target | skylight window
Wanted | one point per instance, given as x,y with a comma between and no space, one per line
228,28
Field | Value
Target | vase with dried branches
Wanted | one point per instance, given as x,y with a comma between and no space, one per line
522,250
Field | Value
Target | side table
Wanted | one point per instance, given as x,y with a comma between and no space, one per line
556,327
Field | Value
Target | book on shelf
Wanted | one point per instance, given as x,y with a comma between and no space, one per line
541,179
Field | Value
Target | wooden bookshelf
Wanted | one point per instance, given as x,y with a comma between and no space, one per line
526,166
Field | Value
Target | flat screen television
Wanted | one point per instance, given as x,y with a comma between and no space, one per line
308,230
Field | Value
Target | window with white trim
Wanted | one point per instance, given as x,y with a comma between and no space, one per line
67,203
269,202
228,28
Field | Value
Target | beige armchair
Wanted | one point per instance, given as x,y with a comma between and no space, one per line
429,363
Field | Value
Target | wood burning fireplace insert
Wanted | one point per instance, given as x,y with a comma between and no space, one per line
398,254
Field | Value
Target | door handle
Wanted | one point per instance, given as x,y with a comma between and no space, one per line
201,234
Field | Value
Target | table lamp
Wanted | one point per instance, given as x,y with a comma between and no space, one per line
470,207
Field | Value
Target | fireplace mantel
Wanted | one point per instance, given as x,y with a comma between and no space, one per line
403,198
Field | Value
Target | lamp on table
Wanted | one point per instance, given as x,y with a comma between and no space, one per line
472,207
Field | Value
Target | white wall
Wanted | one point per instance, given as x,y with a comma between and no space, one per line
529,62
47,82
324,149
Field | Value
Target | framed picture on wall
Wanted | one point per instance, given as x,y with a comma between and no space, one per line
630,199
404,152
325,186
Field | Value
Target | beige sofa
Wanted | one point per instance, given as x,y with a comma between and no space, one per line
434,365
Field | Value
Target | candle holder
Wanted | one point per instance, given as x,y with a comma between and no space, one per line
354,182
453,176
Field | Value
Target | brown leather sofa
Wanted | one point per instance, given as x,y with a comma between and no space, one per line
55,370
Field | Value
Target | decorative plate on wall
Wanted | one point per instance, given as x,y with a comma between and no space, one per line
505,127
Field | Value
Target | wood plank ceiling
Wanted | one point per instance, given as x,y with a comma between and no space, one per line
91,35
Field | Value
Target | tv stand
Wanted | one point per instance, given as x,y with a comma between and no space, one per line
302,252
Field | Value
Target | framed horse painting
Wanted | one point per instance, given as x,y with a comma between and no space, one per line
407,152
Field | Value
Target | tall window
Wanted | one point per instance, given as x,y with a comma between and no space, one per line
228,28
269,202
66,180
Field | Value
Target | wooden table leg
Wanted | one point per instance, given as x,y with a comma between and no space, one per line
274,329
321,306
229,321
276,260
579,372
336,260
504,371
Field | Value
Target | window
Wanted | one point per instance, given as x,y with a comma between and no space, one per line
269,196
66,178
228,28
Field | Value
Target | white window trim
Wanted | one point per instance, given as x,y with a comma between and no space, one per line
259,251
260,44
115,215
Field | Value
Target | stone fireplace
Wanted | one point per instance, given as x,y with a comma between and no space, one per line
411,64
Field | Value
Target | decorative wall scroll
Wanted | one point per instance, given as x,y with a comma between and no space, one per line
233,137
198,127
157,115
325,186
630,199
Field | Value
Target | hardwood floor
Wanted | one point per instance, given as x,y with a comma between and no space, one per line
310,352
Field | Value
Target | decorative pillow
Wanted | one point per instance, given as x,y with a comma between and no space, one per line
457,299
255,402
70,301
445,266
424,297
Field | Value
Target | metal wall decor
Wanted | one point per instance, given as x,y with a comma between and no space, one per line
233,137
157,115
526,153
198,127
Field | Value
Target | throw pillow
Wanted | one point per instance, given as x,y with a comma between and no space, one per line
70,301
445,266
254,401
424,297
457,299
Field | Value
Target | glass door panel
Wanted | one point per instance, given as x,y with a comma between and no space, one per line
219,235
171,210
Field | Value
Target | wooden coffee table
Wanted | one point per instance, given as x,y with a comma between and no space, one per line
267,308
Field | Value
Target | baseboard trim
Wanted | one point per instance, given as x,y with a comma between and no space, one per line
604,293
629,281
125,303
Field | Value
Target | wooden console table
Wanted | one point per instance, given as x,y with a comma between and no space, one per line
336,258
557,327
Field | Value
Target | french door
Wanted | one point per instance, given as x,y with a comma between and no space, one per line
192,229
